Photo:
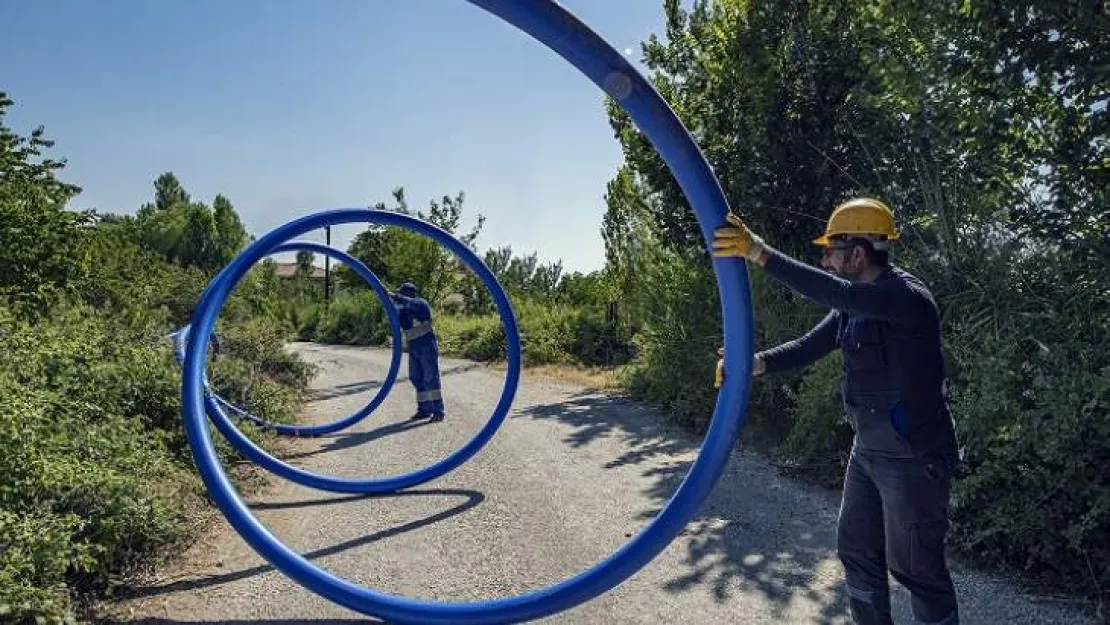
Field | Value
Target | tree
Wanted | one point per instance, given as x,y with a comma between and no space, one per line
168,192
190,233
42,239
585,290
305,259
231,236
198,238
397,255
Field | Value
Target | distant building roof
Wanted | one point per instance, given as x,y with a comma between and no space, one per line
289,270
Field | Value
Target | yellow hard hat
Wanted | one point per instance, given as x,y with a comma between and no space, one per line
864,217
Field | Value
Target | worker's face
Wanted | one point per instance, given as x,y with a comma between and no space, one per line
844,260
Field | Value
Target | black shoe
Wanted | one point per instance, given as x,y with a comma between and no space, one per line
419,415
438,416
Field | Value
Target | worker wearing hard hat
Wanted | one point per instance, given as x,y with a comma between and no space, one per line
894,511
416,322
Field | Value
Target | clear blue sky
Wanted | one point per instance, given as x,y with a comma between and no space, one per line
295,106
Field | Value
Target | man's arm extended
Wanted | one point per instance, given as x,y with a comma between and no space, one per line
886,300
805,350
399,300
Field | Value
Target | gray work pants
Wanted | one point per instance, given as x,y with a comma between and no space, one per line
894,514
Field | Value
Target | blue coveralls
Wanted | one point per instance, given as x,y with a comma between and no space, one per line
416,322
894,511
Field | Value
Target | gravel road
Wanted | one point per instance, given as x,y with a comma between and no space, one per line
571,474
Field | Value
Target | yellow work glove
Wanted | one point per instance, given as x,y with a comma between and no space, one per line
719,376
736,240
759,367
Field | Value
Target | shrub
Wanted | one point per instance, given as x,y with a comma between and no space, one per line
678,343
819,434
97,473
353,319
1037,448
550,333
84,460
477,337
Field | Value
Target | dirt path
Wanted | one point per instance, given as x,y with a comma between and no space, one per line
570,475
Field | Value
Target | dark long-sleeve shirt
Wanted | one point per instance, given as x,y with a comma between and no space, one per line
889,332
896,297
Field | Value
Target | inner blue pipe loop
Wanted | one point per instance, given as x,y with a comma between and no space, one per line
219,289
394,364
555,27
387,384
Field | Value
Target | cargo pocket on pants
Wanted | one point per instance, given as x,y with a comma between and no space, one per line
926,550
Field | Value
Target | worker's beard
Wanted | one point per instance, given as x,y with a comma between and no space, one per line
847,272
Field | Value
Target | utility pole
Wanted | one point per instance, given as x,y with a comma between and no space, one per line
327,268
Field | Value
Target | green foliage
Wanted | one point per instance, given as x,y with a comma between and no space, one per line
41,238
819,434
522,277
397,255
128,278
559,334
190,233
93,452
353,319
589,290
563,319
230,236
35,554
983,125
94,461
550,333
98,480
476,337
1029,385
677,338
1036,497
260,375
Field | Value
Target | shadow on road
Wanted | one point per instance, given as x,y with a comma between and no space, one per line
363,386
354,439
750,535
473,498
342,390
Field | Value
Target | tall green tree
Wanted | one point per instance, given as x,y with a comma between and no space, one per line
41,239
397,255
231,236
522,276
168,192
190,233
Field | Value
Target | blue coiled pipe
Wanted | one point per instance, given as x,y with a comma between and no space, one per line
340,424
215,296
552,25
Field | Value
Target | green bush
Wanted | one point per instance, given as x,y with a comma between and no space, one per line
550,333
353,319
35,553
677,344
1036,436
476,337
83,460
598,342
306,320
819,435
98,477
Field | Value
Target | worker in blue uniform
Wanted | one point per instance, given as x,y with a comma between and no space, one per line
894,510
416,322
